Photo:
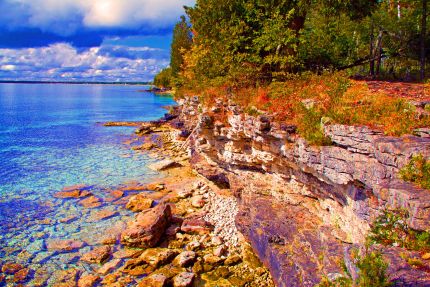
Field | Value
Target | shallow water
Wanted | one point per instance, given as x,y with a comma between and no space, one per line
51,137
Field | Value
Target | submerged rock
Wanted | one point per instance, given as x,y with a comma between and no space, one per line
97,255
148,227
109,266
11,268
90,202
21,275
88,280
65,245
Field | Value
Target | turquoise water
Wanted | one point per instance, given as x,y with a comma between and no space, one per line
51,137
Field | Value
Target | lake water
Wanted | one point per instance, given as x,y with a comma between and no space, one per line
51,137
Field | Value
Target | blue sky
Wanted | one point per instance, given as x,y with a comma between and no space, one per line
98,40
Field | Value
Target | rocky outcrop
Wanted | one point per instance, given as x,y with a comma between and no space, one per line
301,206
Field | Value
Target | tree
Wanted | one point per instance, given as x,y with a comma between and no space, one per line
423,40
164,78
181,42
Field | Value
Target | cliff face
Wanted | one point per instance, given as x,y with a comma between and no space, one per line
303,207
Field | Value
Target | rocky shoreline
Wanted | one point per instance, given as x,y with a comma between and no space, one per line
183,231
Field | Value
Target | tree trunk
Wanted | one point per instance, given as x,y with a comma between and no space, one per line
371,55
378,52
423,41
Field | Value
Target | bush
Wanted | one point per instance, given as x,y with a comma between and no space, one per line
372,270
390,228
417,171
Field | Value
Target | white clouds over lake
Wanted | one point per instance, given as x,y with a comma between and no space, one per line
66,16
63,61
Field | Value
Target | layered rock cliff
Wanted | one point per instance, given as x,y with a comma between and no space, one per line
304,207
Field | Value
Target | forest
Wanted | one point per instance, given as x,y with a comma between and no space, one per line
275,55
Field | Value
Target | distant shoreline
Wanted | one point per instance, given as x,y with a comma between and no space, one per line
77,83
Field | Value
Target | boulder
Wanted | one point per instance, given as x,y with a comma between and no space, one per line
148,227
139,202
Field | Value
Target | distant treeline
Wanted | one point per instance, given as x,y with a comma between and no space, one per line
74,82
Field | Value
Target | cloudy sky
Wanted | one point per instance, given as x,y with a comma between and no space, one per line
95,40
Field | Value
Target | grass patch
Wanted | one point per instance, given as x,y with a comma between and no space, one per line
417,171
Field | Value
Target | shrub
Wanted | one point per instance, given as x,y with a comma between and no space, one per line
417,171
372,270
390,228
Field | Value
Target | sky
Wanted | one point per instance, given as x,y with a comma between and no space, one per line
88,40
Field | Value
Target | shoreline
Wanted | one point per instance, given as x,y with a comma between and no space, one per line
197,245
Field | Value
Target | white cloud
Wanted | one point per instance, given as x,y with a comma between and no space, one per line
63,61
65,16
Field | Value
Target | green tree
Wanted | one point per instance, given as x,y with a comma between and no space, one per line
181,42
164,78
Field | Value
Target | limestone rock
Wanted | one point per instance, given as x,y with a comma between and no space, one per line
164,165
109,266
185,259
21,275
66,245
139,202
148,227
198,201
158,256
196,226
212,260
97,255
11,268
154,280
184,279
88,280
